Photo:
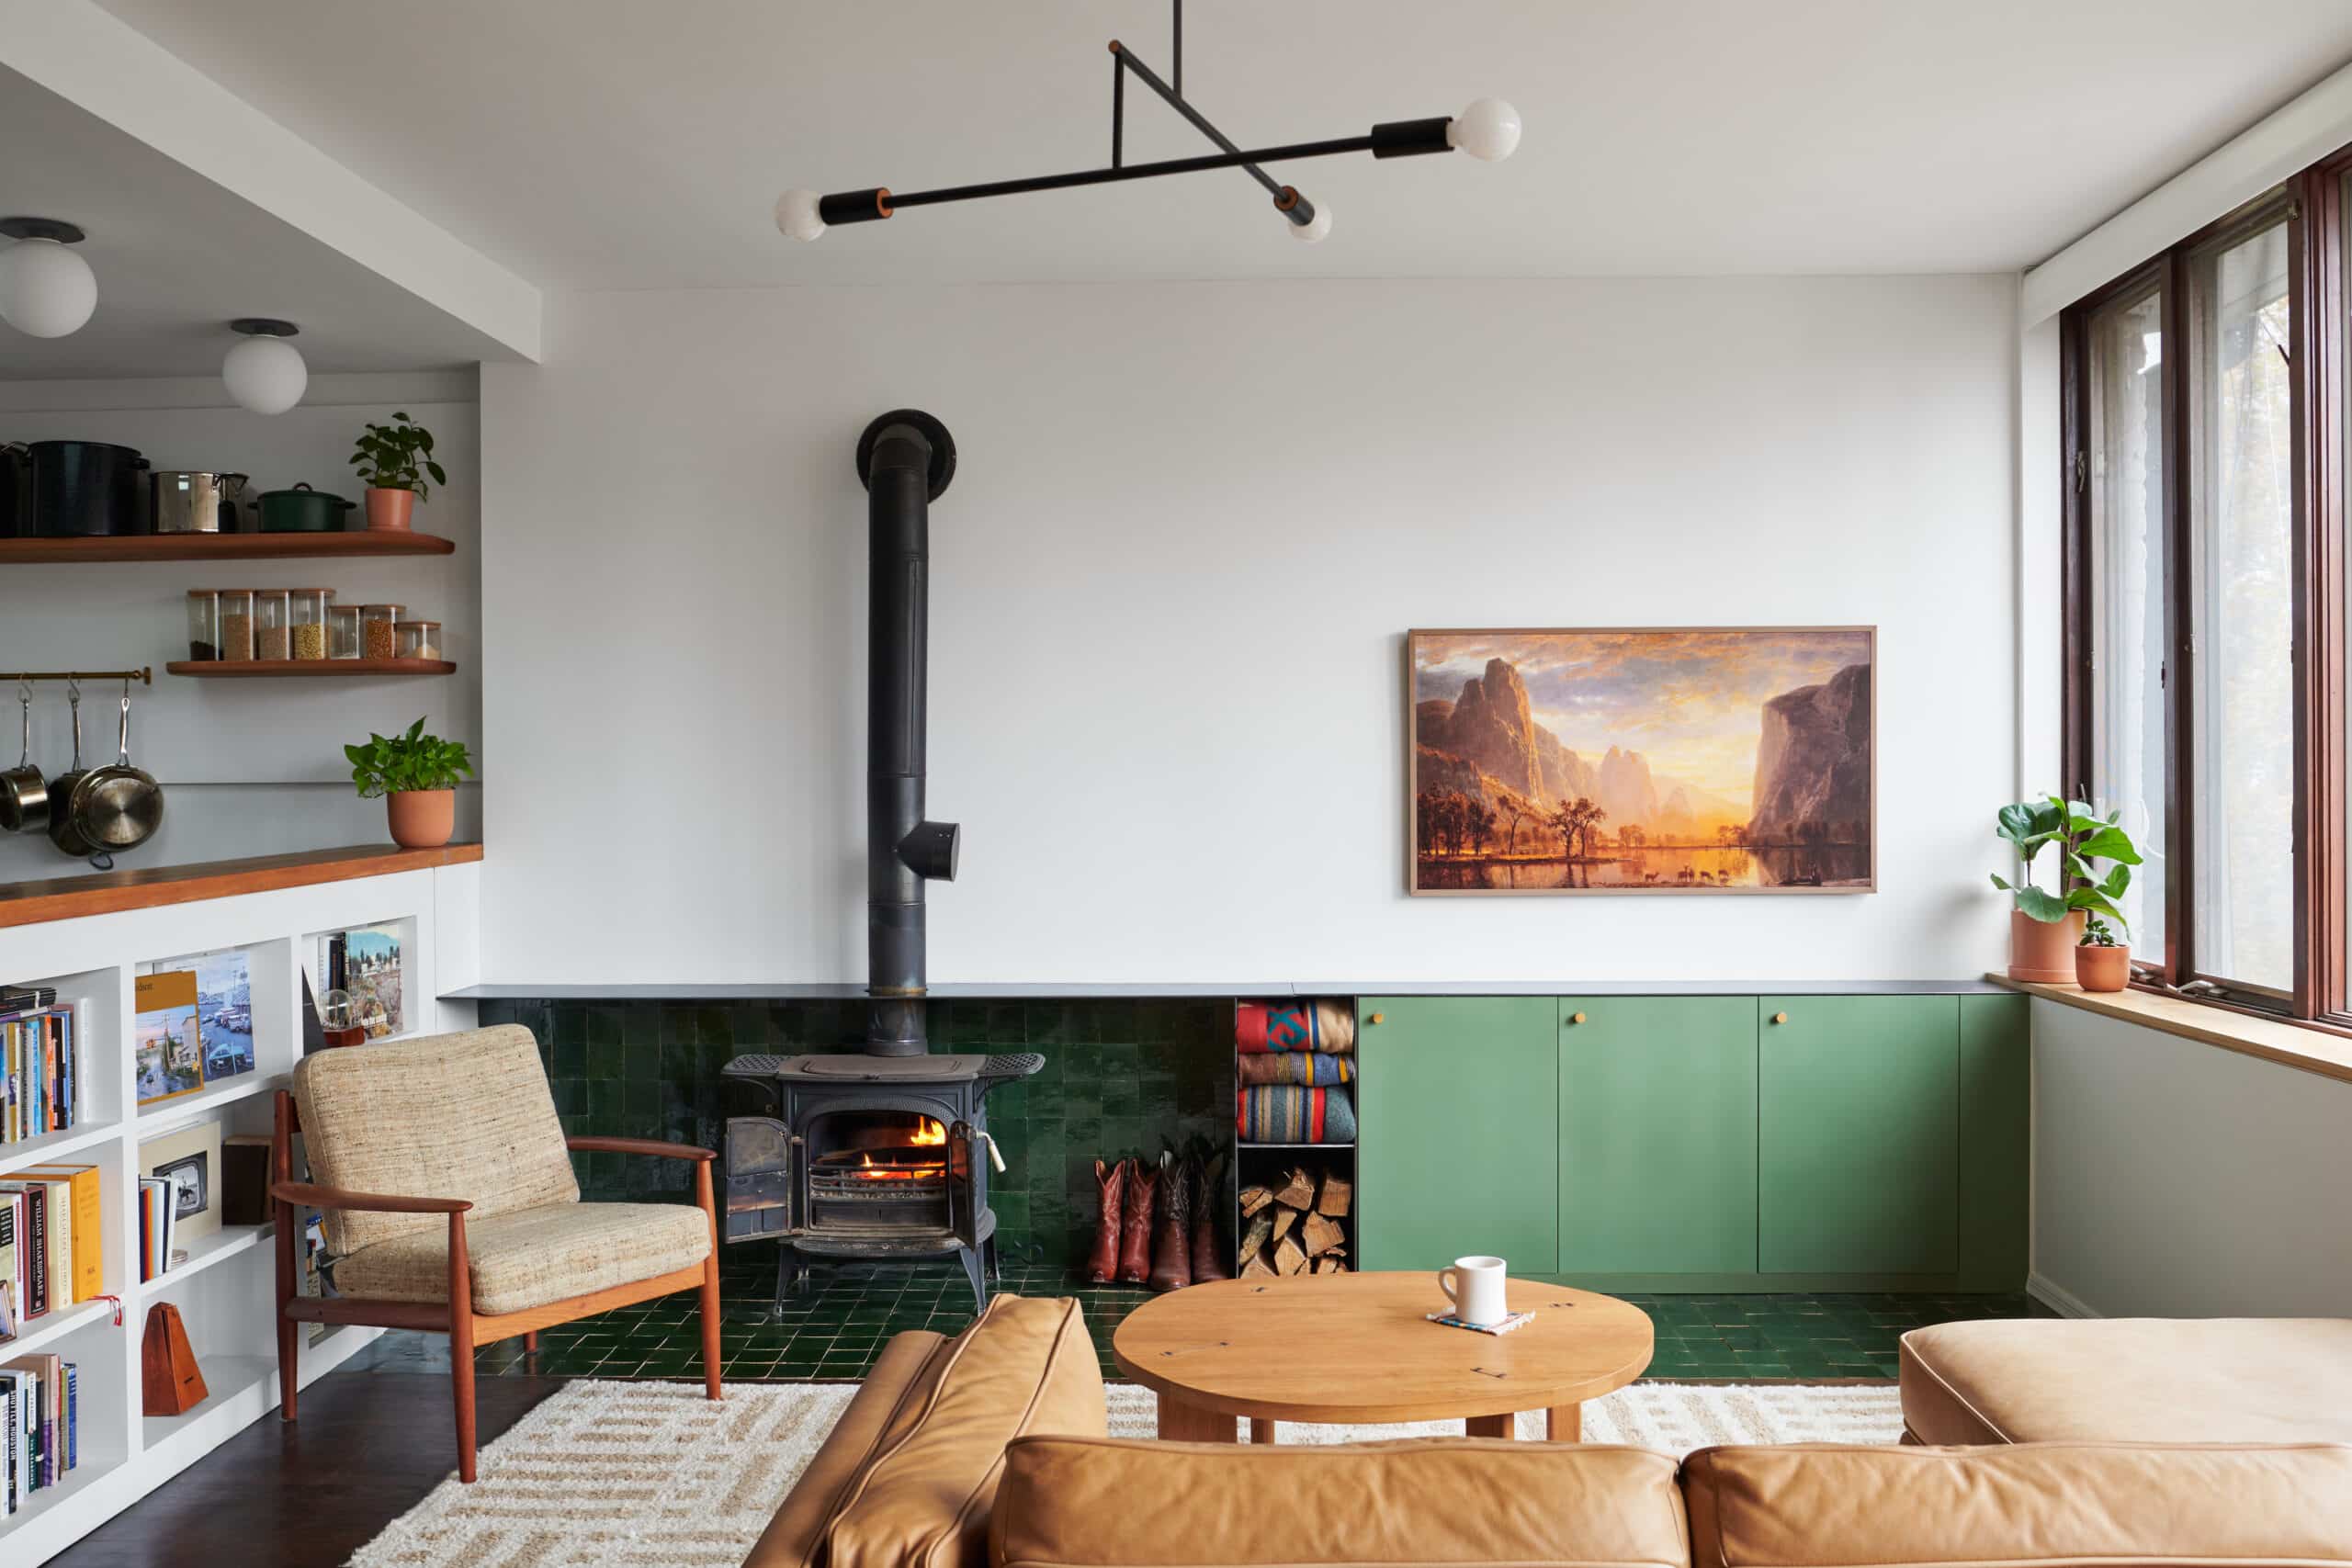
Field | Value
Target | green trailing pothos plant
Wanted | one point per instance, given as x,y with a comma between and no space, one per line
390,457
2081,836
411,761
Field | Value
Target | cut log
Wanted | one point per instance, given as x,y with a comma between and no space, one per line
1330,1265
1298,1192
1335,1196
1254,1199
1257,1233
1321,1233
1256,1267
1283,1220
1288,1257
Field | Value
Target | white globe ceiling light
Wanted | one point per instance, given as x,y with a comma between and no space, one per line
45,290
265,373
1488,129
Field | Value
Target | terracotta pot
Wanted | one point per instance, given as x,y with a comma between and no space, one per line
390,509
422,818
2040,952
2103,968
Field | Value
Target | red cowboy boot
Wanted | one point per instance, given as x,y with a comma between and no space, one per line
1103,1263
1135,1240
1171,1248
1208,1189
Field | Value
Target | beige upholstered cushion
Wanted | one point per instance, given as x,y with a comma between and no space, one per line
466,1116
528,1257
887,1403
2154,1380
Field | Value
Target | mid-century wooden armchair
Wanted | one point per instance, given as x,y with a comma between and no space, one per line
408,1137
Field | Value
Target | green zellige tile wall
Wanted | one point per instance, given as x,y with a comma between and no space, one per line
1120,1077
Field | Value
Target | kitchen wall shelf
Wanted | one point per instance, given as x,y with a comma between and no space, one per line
217,667
224,546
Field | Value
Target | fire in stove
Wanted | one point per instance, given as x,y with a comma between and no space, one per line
895,1156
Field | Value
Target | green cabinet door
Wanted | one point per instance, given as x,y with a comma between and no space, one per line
1995,1141
1858,1133
1457,1100
1657,1134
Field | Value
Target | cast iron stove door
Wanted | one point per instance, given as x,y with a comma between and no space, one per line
758,1178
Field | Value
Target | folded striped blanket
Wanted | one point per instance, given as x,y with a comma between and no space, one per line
1308,1068
1291,1113
1327,1027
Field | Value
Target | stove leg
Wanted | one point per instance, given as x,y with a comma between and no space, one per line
977,1273
785,1275
996,1271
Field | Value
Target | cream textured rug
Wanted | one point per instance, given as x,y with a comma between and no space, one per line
652,1475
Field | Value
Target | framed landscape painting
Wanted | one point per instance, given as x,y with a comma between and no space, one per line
1642,759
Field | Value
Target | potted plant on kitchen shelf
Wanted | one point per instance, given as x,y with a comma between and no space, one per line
417,775
2046,926
393,459
2101,963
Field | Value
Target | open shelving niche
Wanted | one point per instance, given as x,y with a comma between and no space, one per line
1265,1164
225,1288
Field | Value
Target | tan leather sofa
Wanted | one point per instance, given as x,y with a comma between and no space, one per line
992,1447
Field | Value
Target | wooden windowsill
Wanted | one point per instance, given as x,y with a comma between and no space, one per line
112,892
2288,1044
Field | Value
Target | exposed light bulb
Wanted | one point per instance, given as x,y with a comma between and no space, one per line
1487,128
45,290
1311,233
266,374
796,214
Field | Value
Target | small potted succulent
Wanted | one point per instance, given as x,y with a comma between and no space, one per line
417,775
2046,926
393,460
2102,962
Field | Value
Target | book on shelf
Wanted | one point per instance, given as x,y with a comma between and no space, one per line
41,1071
26,1205
49,1202
40,1412
365,963
224,1011
156,1237
82,1269
167,1053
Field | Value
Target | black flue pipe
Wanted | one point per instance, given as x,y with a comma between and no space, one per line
905,459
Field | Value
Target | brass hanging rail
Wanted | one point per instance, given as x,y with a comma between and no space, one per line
144,675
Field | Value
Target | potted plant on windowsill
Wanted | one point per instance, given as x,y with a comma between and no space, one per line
2046,927
393,460
2101,963
417,775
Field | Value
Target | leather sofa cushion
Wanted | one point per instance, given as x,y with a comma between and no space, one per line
1025,1366
886,1403
2130,1380
2113,1505
1114,1503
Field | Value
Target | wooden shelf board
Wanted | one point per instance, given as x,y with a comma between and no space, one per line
2295,1045
220,669
112,892
231,1241
51,1148
223,546
50,1327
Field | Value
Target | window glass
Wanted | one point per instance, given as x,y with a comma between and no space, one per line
2242,597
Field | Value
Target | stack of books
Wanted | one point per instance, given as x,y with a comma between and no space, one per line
40,1420
40,1066
156,1205
49,1234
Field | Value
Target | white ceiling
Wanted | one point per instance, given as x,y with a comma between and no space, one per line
177,258
613,143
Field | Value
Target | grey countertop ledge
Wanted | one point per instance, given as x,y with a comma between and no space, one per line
965,991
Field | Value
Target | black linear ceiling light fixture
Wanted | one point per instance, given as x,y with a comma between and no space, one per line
1488,129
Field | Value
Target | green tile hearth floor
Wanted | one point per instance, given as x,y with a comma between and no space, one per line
837,1329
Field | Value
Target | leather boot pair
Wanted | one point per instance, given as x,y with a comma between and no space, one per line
1135,1240
1208,1189
1103,1263
1171,1248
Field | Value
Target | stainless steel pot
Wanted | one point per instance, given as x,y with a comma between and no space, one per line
113,805
193,501
24,793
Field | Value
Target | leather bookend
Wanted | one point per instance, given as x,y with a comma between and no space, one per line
170,1382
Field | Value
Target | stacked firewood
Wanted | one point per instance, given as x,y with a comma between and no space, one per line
1297,1227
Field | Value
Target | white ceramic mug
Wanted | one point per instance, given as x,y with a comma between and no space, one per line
1475,1286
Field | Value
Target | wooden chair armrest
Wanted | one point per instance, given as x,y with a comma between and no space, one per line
638,1146
304,1193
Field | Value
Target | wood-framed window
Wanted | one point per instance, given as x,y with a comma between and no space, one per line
2204,647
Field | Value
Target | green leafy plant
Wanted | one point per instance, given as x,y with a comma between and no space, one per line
2081,837
2097,933
390,457
408,761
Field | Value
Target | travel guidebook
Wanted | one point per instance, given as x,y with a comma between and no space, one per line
224,1009
169,1054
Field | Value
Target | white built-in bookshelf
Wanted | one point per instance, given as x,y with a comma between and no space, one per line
225,1288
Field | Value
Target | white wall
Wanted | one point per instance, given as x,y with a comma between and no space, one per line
2173,1178
1169,584
256,766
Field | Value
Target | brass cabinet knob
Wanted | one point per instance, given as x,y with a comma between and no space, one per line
1780,1018
1375,1017
1575,1018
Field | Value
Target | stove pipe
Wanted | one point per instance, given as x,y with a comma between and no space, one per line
905,459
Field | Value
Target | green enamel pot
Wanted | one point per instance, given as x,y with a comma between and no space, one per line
303,510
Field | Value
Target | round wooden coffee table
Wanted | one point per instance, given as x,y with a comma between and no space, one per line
1358,1348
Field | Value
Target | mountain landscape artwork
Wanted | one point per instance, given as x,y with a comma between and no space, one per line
1707,759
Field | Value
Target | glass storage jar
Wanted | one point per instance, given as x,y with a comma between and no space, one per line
273,613
418,640
237,623
376,623
309,626
204,624
343,631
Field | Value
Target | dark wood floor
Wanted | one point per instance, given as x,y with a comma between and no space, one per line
309,1494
